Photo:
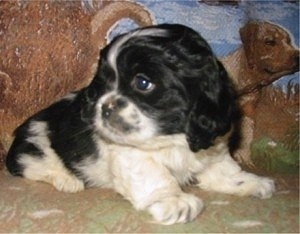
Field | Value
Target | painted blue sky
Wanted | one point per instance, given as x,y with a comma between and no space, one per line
220,24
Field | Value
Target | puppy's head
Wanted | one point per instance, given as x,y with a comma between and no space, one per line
159,81
268,48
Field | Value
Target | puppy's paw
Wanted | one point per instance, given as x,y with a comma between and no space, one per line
176,209
68,183
265,188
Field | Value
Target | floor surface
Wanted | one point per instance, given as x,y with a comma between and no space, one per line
28,206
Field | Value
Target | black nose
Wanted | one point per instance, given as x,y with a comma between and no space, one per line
107,109
113,106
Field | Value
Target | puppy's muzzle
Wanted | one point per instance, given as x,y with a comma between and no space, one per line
116,116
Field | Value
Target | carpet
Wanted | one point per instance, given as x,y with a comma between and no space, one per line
30,207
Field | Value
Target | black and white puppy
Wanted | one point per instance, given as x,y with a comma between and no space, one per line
157,115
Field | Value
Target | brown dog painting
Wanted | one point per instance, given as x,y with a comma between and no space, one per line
266,55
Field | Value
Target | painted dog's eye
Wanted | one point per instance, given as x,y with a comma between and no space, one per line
270,41
142,83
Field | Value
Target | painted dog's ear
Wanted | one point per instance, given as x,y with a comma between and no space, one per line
213,109
249,34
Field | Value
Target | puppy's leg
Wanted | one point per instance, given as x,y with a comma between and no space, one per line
179,208
50,169
150,186
227,177
33,157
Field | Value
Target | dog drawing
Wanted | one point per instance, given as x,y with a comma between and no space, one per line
266,55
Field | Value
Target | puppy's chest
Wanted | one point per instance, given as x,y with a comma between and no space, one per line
117,164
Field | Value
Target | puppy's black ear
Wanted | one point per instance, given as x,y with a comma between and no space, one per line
213,107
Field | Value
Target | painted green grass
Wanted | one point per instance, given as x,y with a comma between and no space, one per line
275,156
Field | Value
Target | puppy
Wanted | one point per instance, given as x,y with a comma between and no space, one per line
157,115
266,55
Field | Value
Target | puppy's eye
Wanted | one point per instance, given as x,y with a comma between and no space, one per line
142,83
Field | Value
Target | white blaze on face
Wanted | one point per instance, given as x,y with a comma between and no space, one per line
116,48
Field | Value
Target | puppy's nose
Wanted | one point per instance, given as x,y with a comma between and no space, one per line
107,109
112,106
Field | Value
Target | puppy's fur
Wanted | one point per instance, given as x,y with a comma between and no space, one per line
157,115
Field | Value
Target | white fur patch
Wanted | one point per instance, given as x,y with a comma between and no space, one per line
223,174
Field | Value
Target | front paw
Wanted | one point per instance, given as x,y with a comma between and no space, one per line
181,208
67,183
265,188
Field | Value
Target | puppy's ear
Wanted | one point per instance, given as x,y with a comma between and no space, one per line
248,35
213,109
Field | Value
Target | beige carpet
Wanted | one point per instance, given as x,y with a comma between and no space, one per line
28,206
